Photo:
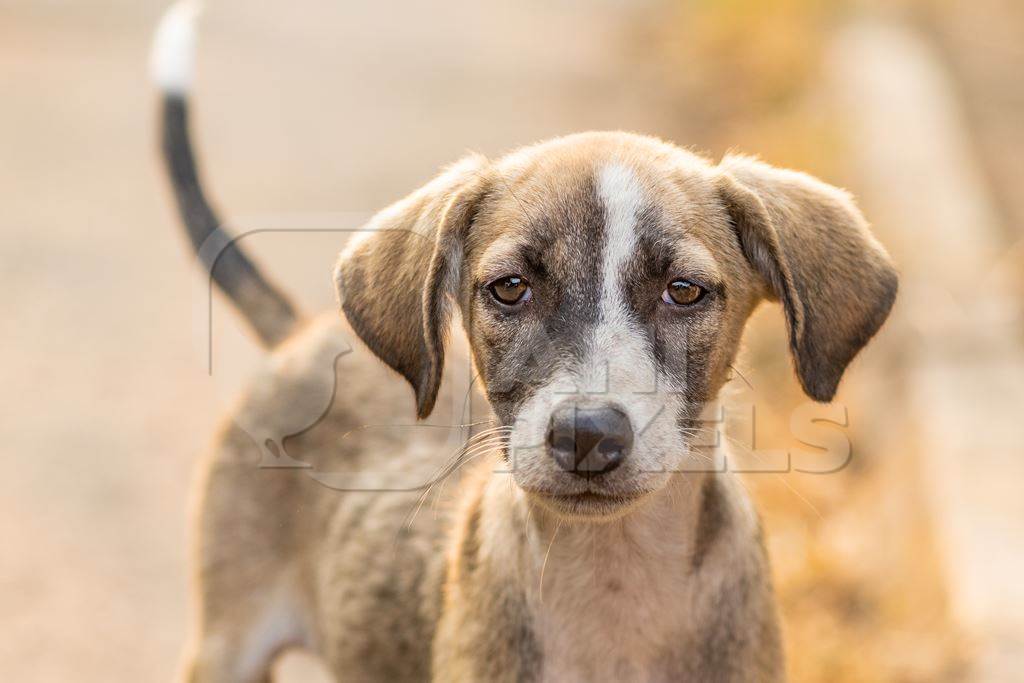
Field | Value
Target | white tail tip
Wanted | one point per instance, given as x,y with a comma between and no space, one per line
173,60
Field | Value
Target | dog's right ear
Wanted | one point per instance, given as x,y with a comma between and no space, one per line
395,282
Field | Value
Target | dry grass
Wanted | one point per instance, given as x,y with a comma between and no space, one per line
741,69
856,571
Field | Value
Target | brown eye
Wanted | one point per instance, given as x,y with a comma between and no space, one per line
510,290
682,293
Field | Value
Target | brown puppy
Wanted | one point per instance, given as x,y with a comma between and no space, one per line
603,281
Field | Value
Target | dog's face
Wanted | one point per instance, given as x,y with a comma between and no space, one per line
605,296
604,281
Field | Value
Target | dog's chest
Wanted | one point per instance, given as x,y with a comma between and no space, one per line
611,616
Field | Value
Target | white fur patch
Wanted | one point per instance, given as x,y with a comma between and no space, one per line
172,61
619,356
279,626
622,197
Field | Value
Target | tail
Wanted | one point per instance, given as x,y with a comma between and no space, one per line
266,308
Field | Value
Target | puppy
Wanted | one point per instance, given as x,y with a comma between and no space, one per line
603,281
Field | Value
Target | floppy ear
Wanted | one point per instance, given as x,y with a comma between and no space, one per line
395,281
813,248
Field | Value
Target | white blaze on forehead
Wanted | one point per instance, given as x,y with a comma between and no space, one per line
618,356
618,366
621,194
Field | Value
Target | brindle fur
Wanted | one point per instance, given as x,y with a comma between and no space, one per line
503,585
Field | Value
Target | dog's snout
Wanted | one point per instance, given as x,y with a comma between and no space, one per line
589,441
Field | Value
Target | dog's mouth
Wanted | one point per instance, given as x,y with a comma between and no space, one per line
588,504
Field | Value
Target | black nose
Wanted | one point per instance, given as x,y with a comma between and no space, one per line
589,441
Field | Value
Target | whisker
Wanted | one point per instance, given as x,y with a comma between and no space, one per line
777,475
418,425
449,468
470,443
742,377
476,452
544,565
456,463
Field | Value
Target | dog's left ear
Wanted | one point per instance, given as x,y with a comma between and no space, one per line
812,246
395,282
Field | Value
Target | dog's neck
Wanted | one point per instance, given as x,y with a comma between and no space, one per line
610,596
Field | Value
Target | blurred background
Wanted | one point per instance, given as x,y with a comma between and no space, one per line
904,566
